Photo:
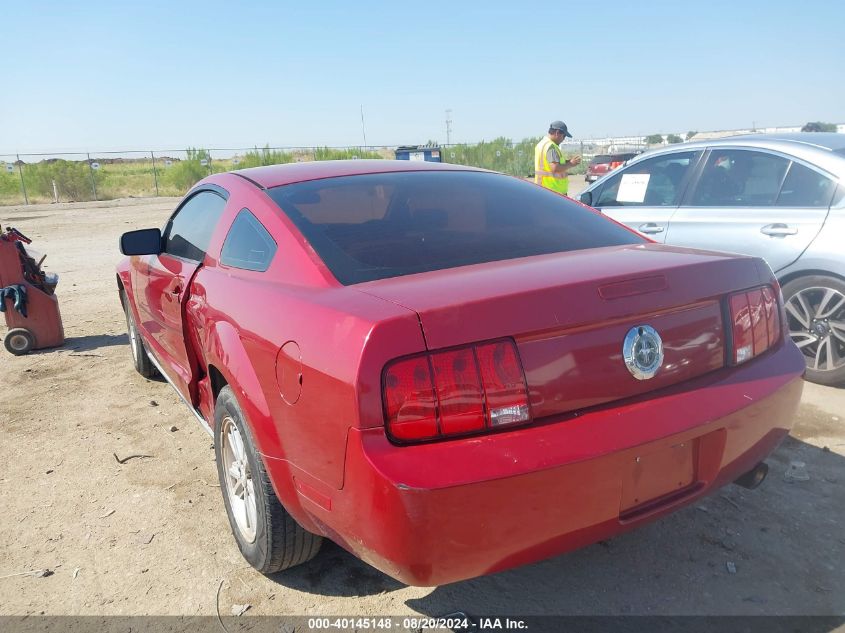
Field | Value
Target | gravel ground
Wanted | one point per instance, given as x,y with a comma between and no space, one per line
150,536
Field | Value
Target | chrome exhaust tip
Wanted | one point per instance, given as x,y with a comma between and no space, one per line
753,477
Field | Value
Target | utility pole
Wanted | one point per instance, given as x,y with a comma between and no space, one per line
448,127
363,129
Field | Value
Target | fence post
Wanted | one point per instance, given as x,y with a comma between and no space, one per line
155,173
91,171
23,185
514,168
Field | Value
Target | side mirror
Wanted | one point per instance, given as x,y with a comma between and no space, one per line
587,198
143,242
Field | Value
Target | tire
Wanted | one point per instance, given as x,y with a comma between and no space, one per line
19,341
815,311
140,358
268,537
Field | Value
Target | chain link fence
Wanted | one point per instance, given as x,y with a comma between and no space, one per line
80,177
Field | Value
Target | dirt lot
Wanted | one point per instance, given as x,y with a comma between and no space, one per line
150,536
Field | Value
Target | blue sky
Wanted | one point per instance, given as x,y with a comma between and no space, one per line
126,75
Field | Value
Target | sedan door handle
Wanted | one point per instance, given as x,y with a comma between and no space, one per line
651,227
778,230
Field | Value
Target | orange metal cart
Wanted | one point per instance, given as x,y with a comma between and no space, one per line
42,325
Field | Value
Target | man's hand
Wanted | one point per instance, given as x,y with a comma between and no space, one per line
561,169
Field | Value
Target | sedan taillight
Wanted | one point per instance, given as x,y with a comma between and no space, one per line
456,392
755,323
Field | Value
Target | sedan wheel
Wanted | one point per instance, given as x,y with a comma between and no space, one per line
268,537
140,358
240,486
134,339
815,309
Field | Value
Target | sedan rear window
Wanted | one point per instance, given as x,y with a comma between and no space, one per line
376,226
621,158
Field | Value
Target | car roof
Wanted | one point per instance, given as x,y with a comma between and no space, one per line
813,147
278,175
830,141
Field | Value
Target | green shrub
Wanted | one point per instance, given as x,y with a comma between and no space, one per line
10,185
184,174
73,180
265,156
819,126
500,154
328,153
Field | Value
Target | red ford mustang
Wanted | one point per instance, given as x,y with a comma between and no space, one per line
447,371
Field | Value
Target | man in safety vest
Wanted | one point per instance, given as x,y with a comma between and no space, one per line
550,168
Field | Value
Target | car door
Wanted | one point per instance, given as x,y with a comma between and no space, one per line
184,242
645,194
753,202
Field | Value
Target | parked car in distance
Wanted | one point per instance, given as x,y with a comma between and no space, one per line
779,197
447,371
602,164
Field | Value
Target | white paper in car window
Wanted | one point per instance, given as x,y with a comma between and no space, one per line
632,188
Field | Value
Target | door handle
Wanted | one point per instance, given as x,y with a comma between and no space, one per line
650,227
778,229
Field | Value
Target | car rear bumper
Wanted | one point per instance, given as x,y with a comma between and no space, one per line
442,512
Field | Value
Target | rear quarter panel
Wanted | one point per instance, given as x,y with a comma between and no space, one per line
242,319
242,328
826,254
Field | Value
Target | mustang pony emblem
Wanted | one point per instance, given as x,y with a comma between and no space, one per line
643,352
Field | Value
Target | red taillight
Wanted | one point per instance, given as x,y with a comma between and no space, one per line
409,399
770,304
755,323
458,392
758,321
455,392
504,384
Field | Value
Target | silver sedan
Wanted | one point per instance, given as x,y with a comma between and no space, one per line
780,197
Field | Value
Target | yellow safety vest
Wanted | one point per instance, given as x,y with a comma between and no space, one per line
543,171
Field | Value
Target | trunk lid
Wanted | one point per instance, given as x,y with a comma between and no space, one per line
569,314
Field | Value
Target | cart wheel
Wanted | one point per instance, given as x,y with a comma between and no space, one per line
19,341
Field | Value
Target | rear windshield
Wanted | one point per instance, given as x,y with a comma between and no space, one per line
375,226
600,159
621,157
